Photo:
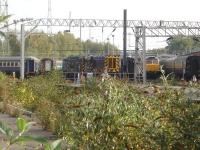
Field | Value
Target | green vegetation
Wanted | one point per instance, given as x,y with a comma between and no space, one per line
22,127
179,45
62,44
3,19
111,114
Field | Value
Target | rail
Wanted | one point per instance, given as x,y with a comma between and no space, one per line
77,76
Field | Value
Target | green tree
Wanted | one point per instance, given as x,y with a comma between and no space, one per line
14,45
3,19
180,45
62,45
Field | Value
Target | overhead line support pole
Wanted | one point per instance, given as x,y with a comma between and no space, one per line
22,52
124,41
140,55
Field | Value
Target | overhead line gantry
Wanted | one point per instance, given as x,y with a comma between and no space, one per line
141,29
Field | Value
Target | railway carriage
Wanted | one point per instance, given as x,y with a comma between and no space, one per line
46,65
185,66
11,64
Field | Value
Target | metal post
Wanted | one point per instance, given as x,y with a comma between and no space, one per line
140,54
113,36
22,52
108,53
124,40
144,54
81,36
136,54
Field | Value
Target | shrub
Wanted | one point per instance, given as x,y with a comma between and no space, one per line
113,114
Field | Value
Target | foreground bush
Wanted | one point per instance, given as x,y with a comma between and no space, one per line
31,91
112,114
3,82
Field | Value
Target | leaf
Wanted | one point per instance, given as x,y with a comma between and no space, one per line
47,147
21,124
6,130
25,138
28,125
56,145
3,128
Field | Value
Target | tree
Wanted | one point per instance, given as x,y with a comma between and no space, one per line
179,44
3,19
14,45
62,45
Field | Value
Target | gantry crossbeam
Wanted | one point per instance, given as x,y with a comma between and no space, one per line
153,28
110,23
141,28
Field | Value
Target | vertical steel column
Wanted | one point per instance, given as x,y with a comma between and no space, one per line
144,54
140,55
22,52
124,42
136,71
81,36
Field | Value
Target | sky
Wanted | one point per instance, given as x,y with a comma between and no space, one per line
169,10
108,9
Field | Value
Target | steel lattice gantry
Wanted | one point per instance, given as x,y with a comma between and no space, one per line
141,28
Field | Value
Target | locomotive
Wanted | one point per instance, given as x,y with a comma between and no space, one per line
112,64
152,67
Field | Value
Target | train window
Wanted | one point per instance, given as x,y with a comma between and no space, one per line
12,64
0,64
8,64
155,61
152,60
16,64
4,64
149,61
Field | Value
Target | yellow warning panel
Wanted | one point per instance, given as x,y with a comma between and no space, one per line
152,67
112,63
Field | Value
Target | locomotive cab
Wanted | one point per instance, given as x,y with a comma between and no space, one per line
152,67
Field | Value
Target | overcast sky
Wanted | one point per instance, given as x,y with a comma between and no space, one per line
108,9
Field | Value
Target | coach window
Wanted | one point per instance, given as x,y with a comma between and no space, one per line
8,64
16,64
0,64
4,64
12,64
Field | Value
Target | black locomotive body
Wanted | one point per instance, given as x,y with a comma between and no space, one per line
111,64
